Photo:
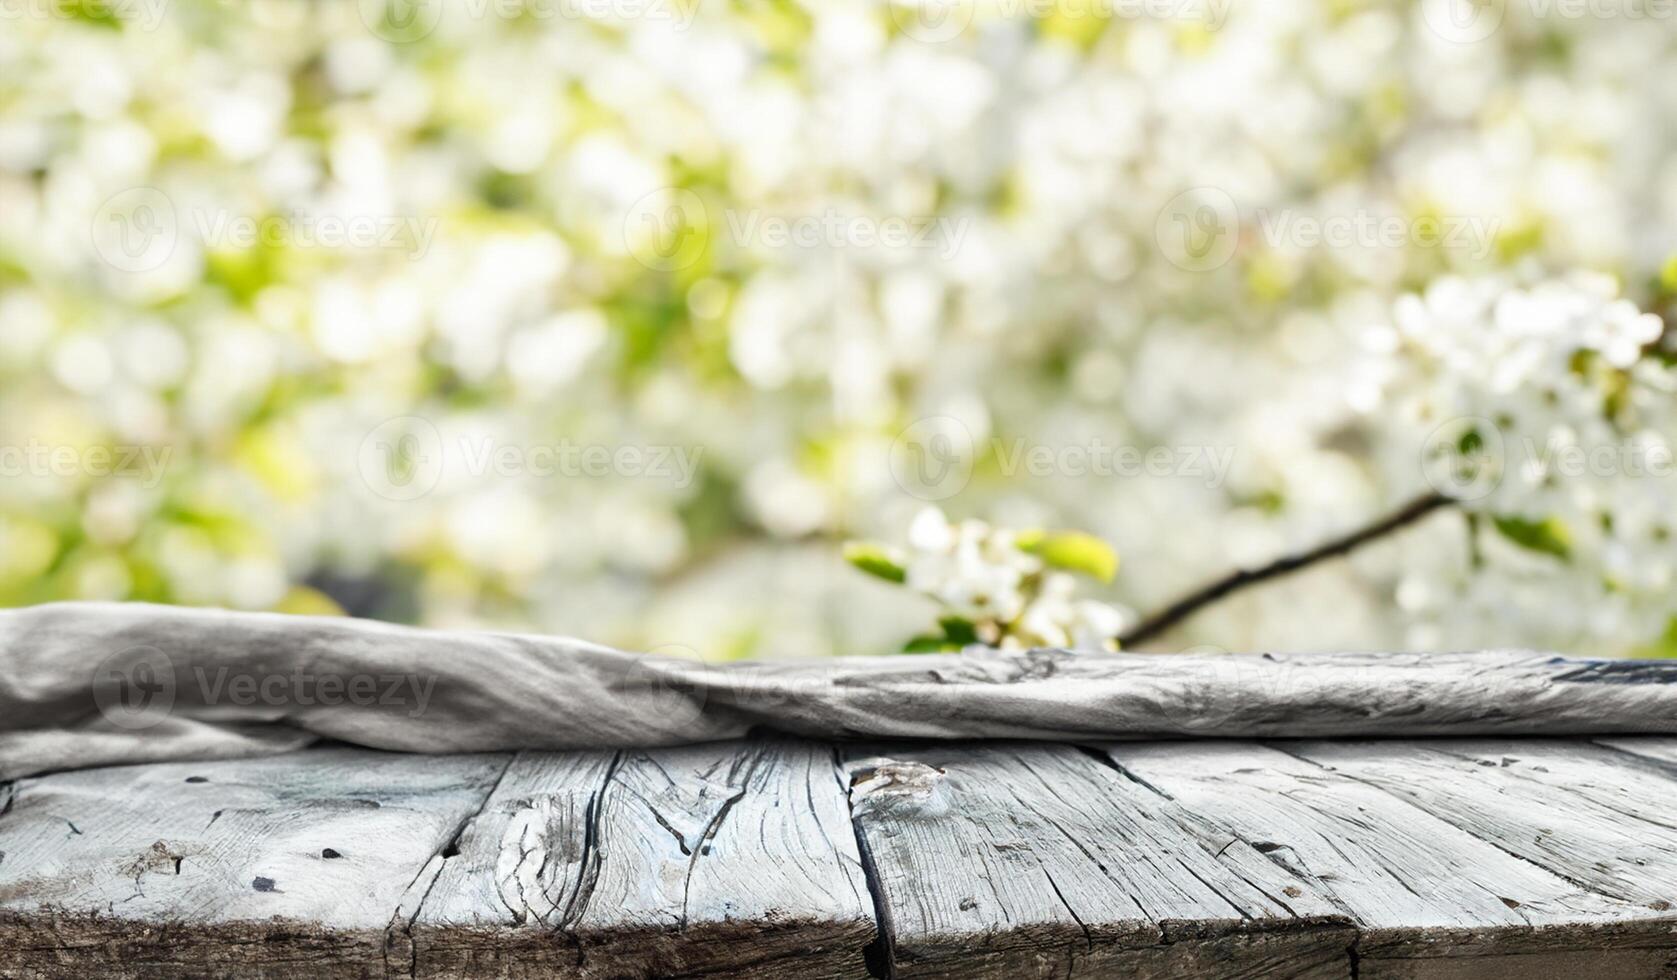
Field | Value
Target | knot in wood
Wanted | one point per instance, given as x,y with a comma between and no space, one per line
898,787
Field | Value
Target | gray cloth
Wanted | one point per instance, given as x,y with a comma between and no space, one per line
88,684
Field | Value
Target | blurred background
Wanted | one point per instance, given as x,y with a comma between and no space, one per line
615,318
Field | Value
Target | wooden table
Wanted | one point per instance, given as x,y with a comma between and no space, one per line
1521,858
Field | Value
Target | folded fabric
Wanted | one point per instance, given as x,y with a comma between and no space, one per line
89,684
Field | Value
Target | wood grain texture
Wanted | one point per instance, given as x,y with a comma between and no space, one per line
198,869
734,859
1420,860
1039,860
1432,899
1588,814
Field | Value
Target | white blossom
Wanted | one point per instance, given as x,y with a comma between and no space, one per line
1570,466
981,574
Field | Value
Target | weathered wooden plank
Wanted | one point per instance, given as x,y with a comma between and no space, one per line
291,863
1039,860
542,806
1432,859
1588,814
730,859
1432,899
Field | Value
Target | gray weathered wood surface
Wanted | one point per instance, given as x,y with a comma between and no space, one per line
773,857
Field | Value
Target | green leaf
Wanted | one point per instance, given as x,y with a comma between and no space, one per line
930,644
1071,551
1547,536
958,630
874,560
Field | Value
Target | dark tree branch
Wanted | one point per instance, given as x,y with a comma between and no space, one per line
1204,596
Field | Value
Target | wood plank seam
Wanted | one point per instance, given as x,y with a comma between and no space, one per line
551,914
879,957
747,872
1082,876
402,933
723,859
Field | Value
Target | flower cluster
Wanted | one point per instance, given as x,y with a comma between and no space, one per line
1546,410
999,587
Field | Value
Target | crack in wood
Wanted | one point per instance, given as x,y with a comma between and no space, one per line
1176,859
1118,767
880,956
522,910
1088,937
659,818
589,879
433,865
702,847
